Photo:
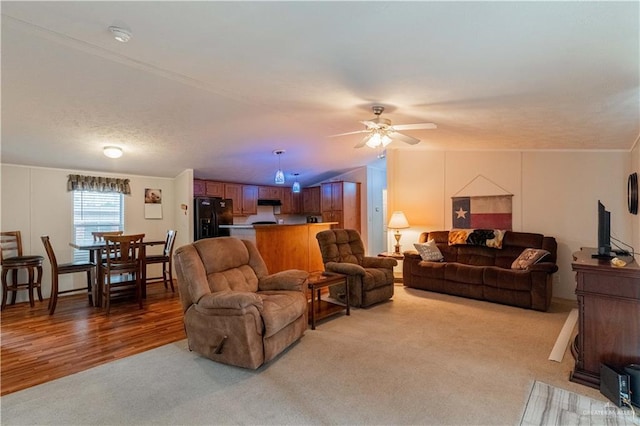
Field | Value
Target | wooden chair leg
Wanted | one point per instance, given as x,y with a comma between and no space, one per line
170,277
14,278
89,285
38,283
5,288
30,285
53,299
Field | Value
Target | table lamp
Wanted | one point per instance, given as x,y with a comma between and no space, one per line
398,221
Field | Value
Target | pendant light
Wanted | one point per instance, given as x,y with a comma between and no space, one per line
279,178
295,188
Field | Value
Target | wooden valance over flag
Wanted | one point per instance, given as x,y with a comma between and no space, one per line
489,212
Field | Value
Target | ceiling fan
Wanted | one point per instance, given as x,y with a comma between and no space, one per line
380,132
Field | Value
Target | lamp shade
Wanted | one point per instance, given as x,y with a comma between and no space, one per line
398,221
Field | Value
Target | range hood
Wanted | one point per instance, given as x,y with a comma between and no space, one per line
266,202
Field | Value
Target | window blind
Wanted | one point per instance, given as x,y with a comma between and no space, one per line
95,212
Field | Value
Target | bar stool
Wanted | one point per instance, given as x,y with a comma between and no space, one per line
13,261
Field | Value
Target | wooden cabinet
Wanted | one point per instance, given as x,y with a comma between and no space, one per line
207,188
270,192
199,188
214,189
608,316
340,202
233,191
249,200
291,202
311,200
244,197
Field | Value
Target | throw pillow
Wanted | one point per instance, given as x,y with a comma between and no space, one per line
528,257
429,251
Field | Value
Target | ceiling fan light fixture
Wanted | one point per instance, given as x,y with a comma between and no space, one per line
279,178
374,140
120,34
112,151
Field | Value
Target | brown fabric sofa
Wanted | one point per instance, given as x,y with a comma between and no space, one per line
234,311
485,273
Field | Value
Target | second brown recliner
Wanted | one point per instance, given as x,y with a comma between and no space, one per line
370,278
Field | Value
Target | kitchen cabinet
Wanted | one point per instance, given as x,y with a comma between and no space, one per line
199,188
291,202
244,198
311,200
208,188
340,202
270,193
214,189
249,200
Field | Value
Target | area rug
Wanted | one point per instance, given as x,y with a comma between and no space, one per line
549,405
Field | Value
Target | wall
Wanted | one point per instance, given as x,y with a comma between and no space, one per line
35,201
554,193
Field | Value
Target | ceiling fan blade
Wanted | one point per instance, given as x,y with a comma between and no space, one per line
349,133
371,124
404,138
416,126
363,142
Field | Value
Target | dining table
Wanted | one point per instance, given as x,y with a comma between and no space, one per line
95,248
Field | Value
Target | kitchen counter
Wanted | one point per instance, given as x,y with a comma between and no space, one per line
287,246
251,226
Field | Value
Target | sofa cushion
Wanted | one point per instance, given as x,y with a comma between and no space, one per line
528,257
461,273
476,255
508,279
429,251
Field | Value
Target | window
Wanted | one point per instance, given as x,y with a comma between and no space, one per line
94,212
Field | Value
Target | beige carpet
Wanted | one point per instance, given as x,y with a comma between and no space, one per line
421,359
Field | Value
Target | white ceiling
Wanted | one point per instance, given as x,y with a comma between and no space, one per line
217,86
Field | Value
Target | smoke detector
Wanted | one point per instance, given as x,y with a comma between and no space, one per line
120,34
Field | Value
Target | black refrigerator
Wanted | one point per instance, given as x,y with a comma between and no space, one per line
209,214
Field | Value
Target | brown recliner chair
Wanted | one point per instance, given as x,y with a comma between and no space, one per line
370,278
234,311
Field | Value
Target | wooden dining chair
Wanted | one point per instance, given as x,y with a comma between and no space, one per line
121,271
99,236
66,268
12,260
165,259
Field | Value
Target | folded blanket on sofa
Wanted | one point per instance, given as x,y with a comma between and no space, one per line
477,237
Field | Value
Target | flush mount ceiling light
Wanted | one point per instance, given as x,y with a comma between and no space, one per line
120,34
279,179
112,151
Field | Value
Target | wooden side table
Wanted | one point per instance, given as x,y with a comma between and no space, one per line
323,308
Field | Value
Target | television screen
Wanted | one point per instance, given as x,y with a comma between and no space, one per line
604,233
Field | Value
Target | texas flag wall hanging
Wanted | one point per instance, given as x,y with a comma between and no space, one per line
488,212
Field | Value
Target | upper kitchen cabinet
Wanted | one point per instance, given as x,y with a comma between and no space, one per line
291,202
340,202
311,200
270,193
207,188
244,198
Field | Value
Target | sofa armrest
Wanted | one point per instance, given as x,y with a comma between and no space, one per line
230,300
378,262
547,267
292,279
412,254
344,268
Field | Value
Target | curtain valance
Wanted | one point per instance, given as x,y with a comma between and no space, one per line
98,184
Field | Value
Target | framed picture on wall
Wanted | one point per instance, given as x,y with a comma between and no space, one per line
152,203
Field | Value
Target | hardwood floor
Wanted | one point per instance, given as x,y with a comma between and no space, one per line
38,347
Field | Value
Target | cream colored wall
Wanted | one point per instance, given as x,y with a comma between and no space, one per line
554,193
35,201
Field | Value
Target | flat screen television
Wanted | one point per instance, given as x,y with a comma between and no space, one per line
604,233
